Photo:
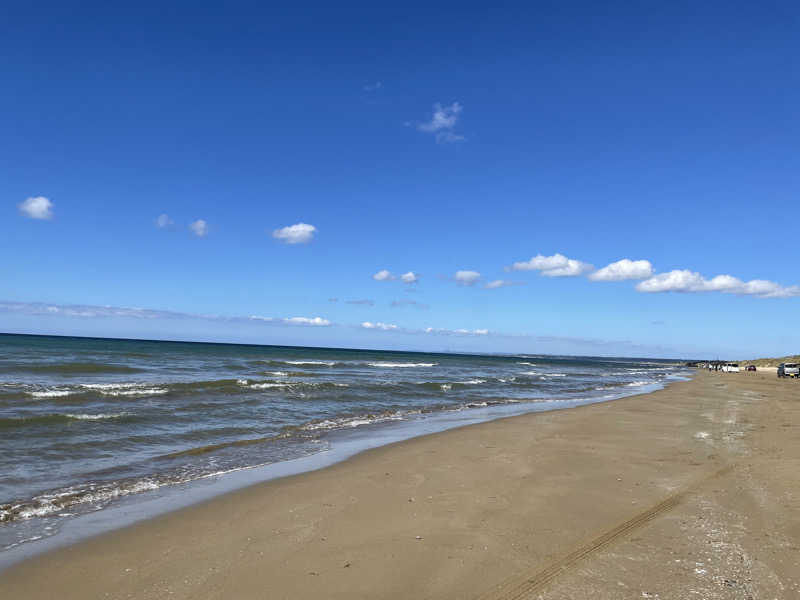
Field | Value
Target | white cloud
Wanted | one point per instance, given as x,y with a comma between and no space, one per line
163,221
624,269
458,332
383,275
379,325
409,277
199,228
557,265
371,87
299,233
94,311
37,207
442,123
498,283
467,277
685,281
314,321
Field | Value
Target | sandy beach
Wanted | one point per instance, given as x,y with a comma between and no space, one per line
688,492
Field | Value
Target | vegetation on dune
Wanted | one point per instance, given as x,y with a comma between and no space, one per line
772,362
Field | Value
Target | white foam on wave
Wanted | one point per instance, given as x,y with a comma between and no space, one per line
125,389
356,421
391,365
327,363
52,393
638,383
111,386
97,417
137,392
554,374
267,385
446,386
48,504
530,364
472,382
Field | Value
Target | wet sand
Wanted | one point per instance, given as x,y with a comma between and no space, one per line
692,491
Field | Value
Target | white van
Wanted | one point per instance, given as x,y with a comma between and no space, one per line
730,368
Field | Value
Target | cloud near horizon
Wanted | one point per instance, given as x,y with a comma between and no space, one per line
89,311
299,233
623,270
36,207
686,281
557,265
379,325
440,331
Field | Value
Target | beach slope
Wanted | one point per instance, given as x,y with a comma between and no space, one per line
692,491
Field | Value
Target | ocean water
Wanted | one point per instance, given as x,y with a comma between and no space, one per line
85,422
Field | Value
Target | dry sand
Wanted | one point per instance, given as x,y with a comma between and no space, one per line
690,492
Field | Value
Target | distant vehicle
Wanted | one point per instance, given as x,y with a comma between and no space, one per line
750,368
789,370
730,368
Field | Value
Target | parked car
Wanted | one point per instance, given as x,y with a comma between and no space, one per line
750,368
730,368
789,370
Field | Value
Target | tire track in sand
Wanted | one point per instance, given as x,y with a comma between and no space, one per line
521,586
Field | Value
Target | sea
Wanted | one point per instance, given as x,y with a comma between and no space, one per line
86,423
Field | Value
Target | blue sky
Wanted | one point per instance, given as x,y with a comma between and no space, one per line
417,138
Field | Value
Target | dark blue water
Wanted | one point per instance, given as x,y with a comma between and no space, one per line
86,421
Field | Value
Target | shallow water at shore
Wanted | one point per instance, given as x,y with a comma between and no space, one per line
87,422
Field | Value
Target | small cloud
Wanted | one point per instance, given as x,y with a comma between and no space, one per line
443,122
372,87
378,325
623,270
310,321
163,221
457,332
444,117
300,233
37,207
199,228
260,318
557,265
383,275
366,302
409,277
467,277
499,283
313,321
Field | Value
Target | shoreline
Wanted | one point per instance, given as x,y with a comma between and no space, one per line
459,513
343,445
